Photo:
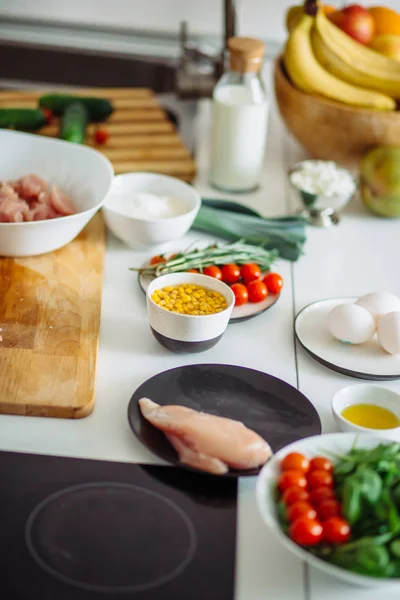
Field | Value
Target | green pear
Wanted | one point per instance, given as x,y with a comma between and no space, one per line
380,180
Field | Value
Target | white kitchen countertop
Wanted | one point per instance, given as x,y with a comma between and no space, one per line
357,256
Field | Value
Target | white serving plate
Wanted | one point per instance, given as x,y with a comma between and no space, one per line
364,361
339,443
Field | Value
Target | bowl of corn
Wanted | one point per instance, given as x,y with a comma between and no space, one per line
188,312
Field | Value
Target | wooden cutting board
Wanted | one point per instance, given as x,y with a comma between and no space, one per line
142,138
50,321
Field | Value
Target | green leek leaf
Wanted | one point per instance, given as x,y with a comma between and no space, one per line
285,234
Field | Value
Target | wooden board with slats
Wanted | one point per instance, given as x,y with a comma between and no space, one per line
142,138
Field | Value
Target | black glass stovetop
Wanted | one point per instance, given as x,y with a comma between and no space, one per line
87,529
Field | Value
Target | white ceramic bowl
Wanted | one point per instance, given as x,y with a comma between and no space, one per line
139,233
82,172
365,393
188,333
339,443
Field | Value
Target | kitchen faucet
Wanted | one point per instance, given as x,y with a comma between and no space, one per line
198,70
229,20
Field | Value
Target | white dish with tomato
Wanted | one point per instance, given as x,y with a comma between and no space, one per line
334,501
248,271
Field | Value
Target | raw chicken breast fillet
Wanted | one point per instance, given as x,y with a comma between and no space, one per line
207,442
31,199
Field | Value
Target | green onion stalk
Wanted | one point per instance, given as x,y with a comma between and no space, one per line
217,254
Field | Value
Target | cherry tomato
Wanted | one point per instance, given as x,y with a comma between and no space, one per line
250,272
48,114
192,271
320,463
230,273
336,530
274,282
316,479
157,259
213,271
301,509
101,135
241,293
306,532
257,291
295,461
289,478
295,494
320,494
328,508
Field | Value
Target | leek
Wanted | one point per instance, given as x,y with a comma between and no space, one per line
234,222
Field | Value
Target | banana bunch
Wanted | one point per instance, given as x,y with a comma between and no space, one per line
323,60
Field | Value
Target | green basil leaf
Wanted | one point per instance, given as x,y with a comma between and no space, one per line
396,493
365,542
395,548
388,509
374,560
383,452
370,483
393,569
344,468
282,512
387,466
351,501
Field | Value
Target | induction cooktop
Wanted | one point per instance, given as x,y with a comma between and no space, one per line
86,529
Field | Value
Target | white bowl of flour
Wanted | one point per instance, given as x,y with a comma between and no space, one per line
146,209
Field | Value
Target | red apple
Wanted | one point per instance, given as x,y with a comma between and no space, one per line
356,21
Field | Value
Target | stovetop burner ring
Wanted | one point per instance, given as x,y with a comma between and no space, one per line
74,524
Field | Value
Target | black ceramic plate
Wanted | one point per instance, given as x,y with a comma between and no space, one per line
240,313
271,407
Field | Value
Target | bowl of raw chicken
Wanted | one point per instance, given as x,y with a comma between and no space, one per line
49,191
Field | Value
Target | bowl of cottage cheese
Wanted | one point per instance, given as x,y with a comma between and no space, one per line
324,188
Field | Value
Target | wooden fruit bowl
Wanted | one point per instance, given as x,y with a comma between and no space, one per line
330,130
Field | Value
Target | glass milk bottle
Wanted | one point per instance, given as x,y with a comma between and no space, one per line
239,120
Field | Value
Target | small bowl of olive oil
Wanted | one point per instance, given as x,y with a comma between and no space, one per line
367,408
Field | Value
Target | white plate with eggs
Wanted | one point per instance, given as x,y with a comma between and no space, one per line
360,338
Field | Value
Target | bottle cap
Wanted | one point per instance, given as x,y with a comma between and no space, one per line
245,54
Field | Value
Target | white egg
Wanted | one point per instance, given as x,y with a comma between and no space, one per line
351,324
379,303
389,332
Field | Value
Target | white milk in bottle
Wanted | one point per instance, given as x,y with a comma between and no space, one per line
239,120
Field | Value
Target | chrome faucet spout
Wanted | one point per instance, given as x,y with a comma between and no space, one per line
198,70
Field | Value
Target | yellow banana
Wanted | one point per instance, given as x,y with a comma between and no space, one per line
351,71
361,58
308,75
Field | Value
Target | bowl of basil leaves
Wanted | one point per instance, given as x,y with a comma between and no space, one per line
366,483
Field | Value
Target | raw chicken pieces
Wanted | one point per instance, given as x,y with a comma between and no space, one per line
32,199
207,442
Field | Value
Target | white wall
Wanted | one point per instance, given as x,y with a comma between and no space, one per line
263,18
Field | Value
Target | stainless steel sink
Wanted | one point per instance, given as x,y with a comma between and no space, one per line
59,66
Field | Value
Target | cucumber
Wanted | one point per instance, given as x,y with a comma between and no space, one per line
98,108
74,122
26,119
